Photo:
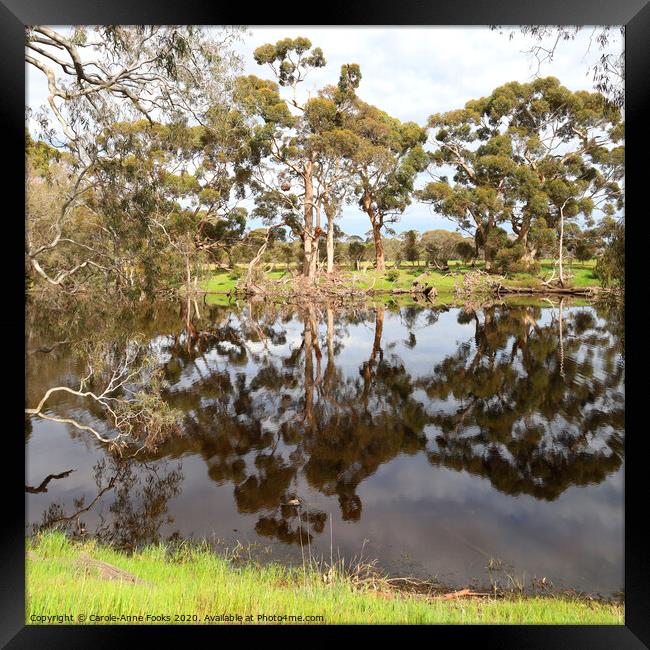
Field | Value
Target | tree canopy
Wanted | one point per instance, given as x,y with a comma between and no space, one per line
526,152
154,148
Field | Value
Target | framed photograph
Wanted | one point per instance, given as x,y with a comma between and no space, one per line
326,324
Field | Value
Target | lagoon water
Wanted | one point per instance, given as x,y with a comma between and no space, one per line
471,446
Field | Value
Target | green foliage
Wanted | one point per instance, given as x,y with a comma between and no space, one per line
585,250
610,267
260,97
290,59
440,246
356,251
384,163
349,80
496,240
504,152
542,238
511,259
311,148
466,250
392,275
40,155
411,246
290,253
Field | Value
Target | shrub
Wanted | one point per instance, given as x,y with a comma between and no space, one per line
497,239
392,275
610,267
509,259
466,251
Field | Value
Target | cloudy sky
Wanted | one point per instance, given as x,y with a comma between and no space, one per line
412,72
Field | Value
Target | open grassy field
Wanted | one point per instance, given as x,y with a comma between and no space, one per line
195,585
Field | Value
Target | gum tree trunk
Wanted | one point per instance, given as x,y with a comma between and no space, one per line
528,258
309,260
330,238
380,263
561,258
375,221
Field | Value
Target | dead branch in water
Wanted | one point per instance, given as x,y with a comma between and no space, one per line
44,483
549,290
131,408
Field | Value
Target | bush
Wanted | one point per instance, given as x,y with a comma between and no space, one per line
466,251
610,267
497,240
509,259
392,275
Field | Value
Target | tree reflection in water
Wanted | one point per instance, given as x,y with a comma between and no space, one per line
531,412
534,404
138,495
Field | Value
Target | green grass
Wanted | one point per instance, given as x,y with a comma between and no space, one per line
219,282
197,582
222,281
580,274
444,283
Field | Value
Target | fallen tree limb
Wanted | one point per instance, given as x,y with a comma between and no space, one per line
464,593
109,571
43,486
546,290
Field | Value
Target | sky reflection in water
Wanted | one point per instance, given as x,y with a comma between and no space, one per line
449,439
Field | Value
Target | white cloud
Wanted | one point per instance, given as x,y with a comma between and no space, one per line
412,72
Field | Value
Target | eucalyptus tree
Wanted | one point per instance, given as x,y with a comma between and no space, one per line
335,149
279,131
466,250
411,246
440,246
304,144
527,152
151,69
357,250
568,147
610,267
607,71
100,76
389,156
167,197
55,233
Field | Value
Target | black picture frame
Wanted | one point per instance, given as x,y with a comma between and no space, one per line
634,14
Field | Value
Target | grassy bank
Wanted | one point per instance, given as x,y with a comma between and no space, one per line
220,281
86,580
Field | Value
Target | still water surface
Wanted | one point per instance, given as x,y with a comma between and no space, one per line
466,445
